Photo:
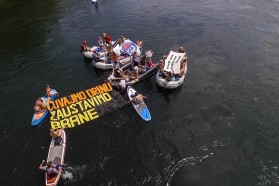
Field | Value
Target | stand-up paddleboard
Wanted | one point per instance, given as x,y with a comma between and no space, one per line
94,1
56,155
141,108
39,117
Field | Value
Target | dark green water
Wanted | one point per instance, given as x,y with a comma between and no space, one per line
219,128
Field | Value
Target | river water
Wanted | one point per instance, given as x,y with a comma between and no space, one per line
219,128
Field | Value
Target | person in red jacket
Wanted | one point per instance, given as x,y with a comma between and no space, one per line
107,38
84,46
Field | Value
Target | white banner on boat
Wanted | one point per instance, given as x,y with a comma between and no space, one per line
173,61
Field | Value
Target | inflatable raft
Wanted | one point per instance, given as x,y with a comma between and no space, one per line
172,71
89,54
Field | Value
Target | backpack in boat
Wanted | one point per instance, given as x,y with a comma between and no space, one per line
58,141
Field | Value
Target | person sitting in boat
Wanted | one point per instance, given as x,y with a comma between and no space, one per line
181,50
139,42
122,84
95,56
100,42
170,76
182,68
121,40
150,63
117,71
40,105
50,92
55,133
137,98
50,168
135,73
143,69
84,47
163,74
109,60
107,38
136,61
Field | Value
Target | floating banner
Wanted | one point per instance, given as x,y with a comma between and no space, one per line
84,106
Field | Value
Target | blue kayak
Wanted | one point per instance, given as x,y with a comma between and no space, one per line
39,117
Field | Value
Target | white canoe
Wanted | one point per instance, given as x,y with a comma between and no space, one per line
141,108
56,155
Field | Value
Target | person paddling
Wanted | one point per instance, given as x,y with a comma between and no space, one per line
137,98
50,92
50,168
40,105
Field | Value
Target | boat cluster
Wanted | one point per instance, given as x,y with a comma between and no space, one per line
130,66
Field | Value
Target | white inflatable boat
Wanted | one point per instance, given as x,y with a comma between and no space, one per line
89,54
172,71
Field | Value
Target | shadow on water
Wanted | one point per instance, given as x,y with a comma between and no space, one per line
168,92
87,61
